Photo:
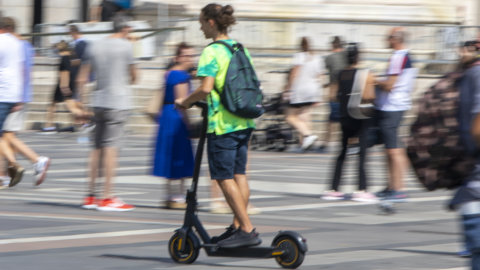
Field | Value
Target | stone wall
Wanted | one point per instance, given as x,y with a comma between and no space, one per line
21,11
60,11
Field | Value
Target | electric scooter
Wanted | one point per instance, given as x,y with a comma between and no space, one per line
288,247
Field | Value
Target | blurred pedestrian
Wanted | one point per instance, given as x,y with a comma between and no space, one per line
228,134
305,91
334,62
173,157
12,58
112,61
15,120
467,198
392,100
105,10
351,127
65,90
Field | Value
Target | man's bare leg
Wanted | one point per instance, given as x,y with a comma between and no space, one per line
293,118
241,180
50,115
397,164
94,162
110,164
20,146
235,200
8,151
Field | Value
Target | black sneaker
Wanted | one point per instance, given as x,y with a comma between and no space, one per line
229,232
384,193
16,174
241,239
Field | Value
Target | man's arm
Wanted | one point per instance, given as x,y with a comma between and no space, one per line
201,93
387,85
476,129
133,74
82,80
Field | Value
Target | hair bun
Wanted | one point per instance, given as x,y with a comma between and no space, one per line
228,10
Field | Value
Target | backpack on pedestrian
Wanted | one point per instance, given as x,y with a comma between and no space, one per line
439,158
241,93
358,107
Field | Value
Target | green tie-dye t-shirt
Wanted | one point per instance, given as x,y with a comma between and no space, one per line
214,62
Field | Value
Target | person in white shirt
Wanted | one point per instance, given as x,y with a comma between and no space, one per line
393,98
304,92
15,120
11,89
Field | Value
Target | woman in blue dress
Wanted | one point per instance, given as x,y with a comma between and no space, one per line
173,157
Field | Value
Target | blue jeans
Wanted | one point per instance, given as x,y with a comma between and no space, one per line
5,109
471,226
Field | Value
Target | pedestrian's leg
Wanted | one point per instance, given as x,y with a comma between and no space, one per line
20,146
305,117
4,179
397,159
340,160
294,120
94,162
8,151
362,139
50,115
110,164
328,131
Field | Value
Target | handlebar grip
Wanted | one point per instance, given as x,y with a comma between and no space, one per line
201,104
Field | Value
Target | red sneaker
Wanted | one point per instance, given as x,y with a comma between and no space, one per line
114,204
89,202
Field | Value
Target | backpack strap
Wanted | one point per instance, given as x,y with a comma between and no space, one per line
230,48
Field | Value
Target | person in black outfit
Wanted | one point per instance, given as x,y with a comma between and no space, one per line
65,90
351,128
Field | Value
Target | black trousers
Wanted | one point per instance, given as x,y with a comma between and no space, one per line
352,128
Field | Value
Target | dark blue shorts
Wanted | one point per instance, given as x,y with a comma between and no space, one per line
388,123
5,109
227,154
471,228
334,112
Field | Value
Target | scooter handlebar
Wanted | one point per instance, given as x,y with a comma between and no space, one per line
201,104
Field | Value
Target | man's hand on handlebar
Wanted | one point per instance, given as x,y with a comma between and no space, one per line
180,103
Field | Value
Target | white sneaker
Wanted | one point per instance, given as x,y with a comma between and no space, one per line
308,141
332,195
40,169
49,130
5,181
362,196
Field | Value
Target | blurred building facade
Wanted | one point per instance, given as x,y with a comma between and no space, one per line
30,12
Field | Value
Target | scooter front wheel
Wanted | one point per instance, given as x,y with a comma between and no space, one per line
188,255
292,256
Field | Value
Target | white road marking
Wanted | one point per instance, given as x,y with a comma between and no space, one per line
92,235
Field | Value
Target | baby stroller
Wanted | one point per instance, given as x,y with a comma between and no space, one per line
273,132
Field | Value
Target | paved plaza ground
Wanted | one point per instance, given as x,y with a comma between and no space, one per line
44,227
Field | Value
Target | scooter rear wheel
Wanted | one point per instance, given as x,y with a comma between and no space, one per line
188,255
293,256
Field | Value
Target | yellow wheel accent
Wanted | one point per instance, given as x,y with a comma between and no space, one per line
188,255
291,244
179,243
289,254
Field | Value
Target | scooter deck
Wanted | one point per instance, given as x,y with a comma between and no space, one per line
250,252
